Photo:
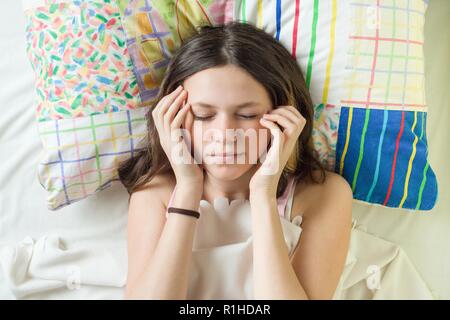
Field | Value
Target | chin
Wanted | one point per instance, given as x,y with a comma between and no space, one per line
227,172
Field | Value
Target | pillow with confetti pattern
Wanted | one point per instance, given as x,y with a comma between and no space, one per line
87,99
363,63
94,84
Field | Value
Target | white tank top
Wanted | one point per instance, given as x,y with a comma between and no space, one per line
222,255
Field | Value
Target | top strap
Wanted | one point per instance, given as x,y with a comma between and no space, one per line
286,196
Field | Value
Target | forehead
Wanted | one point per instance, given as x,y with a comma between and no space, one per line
225,86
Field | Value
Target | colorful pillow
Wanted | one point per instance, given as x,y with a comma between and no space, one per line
364,65
93,82
362,60
156,28
87,101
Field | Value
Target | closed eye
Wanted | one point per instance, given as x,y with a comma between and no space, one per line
201,118
209,117
248,116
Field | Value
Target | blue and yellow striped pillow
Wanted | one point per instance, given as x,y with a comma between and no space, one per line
363,63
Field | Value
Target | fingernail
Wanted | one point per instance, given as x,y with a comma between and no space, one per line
180,86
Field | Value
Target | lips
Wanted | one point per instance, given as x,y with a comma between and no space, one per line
224,154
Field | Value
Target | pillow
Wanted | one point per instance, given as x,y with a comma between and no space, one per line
87,98
155,29
363,63
93,82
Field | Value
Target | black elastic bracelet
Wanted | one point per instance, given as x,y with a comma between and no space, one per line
192,213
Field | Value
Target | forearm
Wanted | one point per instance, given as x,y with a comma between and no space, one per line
273,275
166,276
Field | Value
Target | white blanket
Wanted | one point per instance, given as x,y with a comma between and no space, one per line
378,269
46,269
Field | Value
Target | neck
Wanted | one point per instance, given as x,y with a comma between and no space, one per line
230,189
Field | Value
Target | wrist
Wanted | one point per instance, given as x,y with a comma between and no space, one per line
187,196
190,187
268,188
262,194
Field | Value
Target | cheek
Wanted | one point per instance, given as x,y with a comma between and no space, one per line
256,142
196,136
257,137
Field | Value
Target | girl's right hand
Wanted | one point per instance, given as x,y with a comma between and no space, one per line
169,115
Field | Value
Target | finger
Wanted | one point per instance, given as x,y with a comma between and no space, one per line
288,113
187,124
161,108
294,110
275,143
169,97
180,117
166,101
272,126
290,108
298,121
281,119
173,109
189,120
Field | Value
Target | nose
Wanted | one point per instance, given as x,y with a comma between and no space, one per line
223,130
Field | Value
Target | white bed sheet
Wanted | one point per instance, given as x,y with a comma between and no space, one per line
425,237
93,231
90,236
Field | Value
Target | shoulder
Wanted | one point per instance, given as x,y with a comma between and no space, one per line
309,196
333,181
336,187
320,258
158,189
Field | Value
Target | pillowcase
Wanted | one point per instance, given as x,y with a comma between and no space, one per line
94,81
155,29
87,98
364,65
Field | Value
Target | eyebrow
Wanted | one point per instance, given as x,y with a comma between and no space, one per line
242,105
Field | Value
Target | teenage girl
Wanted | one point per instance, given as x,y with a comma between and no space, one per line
227,79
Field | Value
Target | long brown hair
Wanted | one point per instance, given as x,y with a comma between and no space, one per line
263,57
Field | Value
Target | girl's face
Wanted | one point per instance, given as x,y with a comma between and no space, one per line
227,103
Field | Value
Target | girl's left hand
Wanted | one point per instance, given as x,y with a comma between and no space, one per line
283,141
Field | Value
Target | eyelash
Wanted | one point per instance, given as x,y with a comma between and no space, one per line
207,118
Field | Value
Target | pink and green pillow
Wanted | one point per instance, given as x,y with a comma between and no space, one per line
87,98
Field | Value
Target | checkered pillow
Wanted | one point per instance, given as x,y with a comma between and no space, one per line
155,30
364,65
87,101
93,81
